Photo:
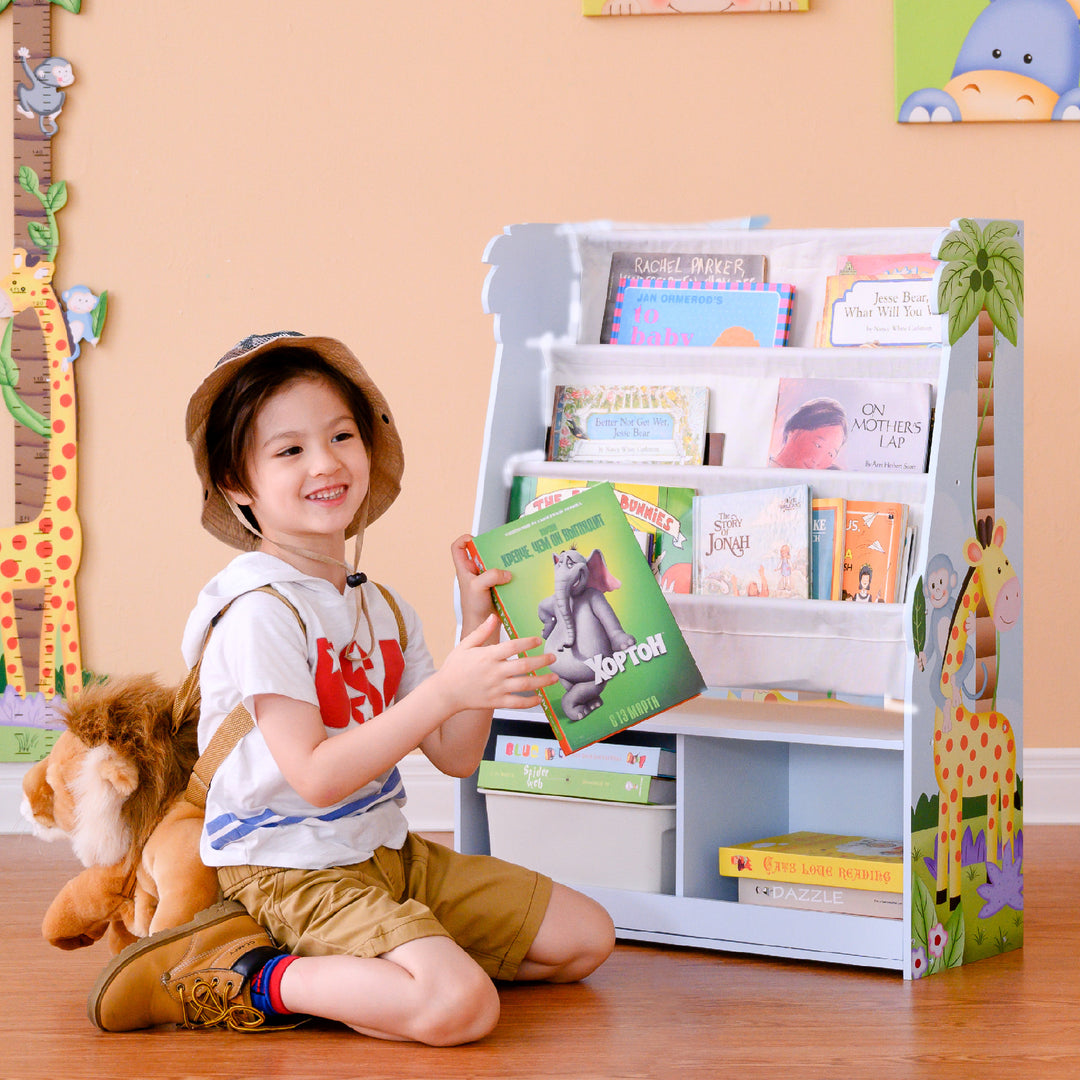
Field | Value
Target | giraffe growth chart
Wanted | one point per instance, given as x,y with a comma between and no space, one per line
45,329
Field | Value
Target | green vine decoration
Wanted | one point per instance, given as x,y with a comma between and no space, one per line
45,235
984,269
9,380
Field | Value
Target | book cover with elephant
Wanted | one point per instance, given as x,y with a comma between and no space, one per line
582,583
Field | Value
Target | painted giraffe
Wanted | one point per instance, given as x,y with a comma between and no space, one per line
43,553
975,752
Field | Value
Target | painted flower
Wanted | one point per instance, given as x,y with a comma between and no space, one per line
936,940
919,963
1005,883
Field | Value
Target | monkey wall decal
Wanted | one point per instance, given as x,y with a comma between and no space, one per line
43,98
80,306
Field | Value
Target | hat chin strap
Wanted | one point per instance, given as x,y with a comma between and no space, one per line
354,577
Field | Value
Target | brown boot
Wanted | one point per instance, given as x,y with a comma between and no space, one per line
194,975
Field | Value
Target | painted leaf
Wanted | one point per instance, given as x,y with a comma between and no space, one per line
56,196
9,373
953,956
28,180
1009,263
952,283
24,414
956,247
997,232
1002,311
963,311
923,912
918,618
39,233
69,5
97,319
4,5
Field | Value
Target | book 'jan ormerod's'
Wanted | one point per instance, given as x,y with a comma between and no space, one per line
582,583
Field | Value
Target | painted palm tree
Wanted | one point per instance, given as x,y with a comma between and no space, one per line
983,279
37,199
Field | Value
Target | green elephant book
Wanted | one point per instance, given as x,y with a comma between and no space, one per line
582,583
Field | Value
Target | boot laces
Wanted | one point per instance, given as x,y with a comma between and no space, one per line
205,1006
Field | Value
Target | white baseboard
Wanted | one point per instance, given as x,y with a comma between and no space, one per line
1051,791
1052,786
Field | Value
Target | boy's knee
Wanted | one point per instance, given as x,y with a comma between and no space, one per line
461,1011
596,944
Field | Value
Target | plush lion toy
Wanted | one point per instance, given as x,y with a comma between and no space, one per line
113,784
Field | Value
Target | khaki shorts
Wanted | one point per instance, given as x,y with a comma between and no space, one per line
492,909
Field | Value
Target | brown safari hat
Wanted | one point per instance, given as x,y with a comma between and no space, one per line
387,456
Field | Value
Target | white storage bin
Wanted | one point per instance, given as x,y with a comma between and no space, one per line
585,841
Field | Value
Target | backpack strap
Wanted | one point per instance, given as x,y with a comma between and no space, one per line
238,722
232,729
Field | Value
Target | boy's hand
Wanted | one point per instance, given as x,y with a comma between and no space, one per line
475,587
477,675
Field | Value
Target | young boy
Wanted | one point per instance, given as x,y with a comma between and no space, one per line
395,936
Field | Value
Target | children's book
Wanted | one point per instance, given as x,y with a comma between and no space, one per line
874,536
826,548
662,514
919,264
676,266
753,543
539,779
581,583
687,7
882,308
657,425
608,756
812,858
665,311
786,894
860,425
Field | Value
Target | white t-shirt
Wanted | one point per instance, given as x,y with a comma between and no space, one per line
252,814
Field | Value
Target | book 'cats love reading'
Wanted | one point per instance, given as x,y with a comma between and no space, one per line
853,862
582,584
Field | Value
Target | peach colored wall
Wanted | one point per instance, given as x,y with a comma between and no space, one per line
339,166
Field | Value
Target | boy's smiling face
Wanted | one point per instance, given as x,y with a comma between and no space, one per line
308,467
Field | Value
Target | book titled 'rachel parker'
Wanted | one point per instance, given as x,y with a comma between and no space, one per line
582,583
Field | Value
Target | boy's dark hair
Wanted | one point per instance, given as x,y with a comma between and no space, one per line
230,424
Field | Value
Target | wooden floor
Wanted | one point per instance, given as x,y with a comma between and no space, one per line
649,1012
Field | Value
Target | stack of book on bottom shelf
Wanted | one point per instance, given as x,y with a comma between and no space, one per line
541,802
854,875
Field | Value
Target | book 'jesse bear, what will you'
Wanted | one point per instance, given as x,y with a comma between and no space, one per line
582,583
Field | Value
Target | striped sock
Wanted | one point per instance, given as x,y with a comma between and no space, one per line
265,986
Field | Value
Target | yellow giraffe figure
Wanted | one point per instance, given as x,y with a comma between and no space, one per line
44,553
975,752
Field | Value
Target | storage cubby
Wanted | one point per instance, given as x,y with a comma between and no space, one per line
818,715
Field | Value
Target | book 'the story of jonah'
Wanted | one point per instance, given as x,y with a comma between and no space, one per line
582,584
